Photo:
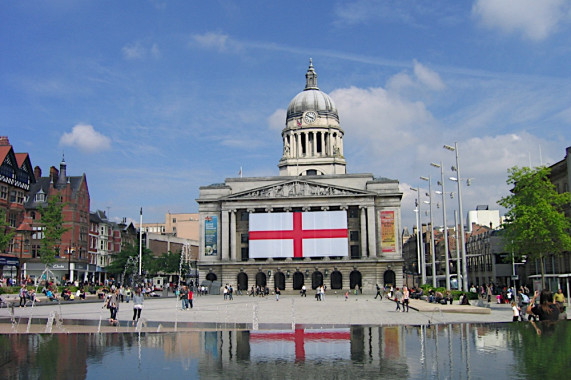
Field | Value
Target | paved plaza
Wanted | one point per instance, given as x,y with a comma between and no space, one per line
244,312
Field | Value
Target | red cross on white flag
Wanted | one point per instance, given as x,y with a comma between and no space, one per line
298,234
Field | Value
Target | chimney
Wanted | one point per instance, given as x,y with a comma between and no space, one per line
53,174
37,173
4,141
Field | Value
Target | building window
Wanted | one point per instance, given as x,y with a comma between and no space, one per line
244,238
354,235
174,220
20,197
4,192
353,212
355,254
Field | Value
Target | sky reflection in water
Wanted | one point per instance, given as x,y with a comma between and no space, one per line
459,351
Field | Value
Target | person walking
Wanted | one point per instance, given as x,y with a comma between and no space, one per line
138,300
278,294
378,292
190,297
398,296
405,298
515,310
113,306
303,291
23,293
184,298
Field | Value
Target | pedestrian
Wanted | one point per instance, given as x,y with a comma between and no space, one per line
322,293
113,306
515,310
405,298
398,296
546,310
190,298
230,292
346,295
138,300
378,292
252,291
303,291
184,298
225,292
277,294
23,293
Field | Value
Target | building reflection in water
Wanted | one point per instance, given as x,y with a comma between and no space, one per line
460,351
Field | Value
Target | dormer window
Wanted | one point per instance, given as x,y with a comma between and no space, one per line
40,196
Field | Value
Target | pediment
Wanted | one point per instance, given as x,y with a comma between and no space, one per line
298,189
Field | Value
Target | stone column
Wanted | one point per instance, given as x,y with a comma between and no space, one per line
232,235
224,236
363,233
322,143
372,231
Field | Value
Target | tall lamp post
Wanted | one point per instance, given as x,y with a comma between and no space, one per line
441,183
462,235
420,245
431,229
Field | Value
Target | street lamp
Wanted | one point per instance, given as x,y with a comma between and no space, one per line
441,183
420,245
431,229
462,235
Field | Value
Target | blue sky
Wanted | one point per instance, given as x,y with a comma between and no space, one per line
153,99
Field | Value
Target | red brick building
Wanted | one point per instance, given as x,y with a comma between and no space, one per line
16,177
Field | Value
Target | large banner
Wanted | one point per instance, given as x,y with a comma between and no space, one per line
211,235
298,234
388,231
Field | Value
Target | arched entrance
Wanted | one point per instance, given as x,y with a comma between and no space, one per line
390,278
316,279
336,280
298,280
355,279
242,281
261,279
211,277
279,280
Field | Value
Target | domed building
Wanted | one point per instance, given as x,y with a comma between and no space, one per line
311,225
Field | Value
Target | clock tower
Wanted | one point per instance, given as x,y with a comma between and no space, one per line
312,137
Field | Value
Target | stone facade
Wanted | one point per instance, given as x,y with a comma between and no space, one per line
311,178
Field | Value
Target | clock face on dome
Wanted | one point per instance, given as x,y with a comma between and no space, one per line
310,117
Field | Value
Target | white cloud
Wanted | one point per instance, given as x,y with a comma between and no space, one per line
276,121
212,40
138,51
535,20
429,78
85,138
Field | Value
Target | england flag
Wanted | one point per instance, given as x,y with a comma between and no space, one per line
298,234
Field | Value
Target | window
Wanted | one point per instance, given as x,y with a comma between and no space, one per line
13,219
40,197
354,235
244,238
20,197
353,212
174,220
4,192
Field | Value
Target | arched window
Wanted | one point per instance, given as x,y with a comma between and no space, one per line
355,279
242,281
211,277
298,280
316,279
336,280
279,280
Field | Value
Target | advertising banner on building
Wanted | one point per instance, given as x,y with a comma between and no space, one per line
211,235
388,242
298,234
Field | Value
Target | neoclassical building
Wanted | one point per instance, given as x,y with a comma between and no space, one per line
312,224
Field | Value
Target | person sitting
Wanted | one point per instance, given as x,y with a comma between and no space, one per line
431,295
449,298
51,296
465,300
439,298
417,294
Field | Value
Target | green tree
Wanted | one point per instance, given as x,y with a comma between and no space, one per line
52,222
6,233
127,261
535,224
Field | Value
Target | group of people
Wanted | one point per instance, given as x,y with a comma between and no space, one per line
186,296
228,292
551,307
113,299
259,291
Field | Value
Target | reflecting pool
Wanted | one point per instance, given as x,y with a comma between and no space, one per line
456,351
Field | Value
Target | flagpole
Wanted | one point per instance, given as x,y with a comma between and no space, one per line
140,241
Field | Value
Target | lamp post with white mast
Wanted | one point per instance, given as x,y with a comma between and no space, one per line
420,245
431,229
462,235
441,183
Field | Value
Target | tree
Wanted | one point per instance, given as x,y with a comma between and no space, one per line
52,223
6,233
535,224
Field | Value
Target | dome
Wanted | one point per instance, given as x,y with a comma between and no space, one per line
311,99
